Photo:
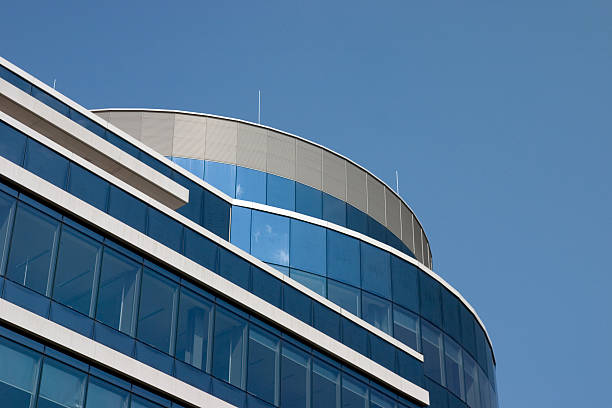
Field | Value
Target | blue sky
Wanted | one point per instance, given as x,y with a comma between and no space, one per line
497,117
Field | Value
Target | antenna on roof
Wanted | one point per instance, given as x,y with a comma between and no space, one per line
54,83
396,182
259,106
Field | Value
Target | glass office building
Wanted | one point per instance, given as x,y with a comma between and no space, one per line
172,259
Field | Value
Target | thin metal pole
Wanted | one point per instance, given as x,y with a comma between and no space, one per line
259,107
396,182
54,83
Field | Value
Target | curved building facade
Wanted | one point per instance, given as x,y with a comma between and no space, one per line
163,258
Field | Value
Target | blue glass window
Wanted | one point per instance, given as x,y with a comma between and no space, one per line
470,371
122,144
101,394
117,291
12,143
158,298
343,258
77,261
345,296
234,268
281,192
201,250
7,206
376,311
15,80
382,352
308,200
50,101
432,352
431,302
450,311
250,185
375,270
87,123
221,176
467,330
18,373
241,228
270,238
326,320
354,393
61,386
127,208
193,329
88,187
267,287
46,163
356,219
165,230
355,336
406,327
229,348
334,210
216,215
29,258
297,304
405,284
380,400
453,367
295,366
313,282
138,402
263,363
194,166
376,230
325,385
193,209
308,246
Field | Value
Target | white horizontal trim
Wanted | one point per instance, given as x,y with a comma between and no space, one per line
93,351
163,254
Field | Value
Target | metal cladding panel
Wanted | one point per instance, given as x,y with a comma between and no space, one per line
308,164
251,148
221,140
356,187
104,115
334,175
418,241
407,233
281,155
189,136
129,122
427,253
393,213
376,200
158,131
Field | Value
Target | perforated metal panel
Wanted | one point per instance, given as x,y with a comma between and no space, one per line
103,115
376,200
281,155
308,164
221,140
393,213
129,122
252,147
157,131
427,252
334,175
418,241
189,136
407,233
356,187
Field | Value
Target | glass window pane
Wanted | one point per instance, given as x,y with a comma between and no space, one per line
405,284
325,385
87,123
201,250
77,260
382,352
46,163
334,210
241,228
138,402
356,219
307,251
379,400
431,302
313,282
12,143
7,208
467,330
326,320
343,258
376,311
375,270
221,176
88,187
193,209
263,365
270,238
117,292
165,230
15,80
432,352
453,364
267,287
50,101
376,230
18,373
450,311
101,394
297,304
281,192
406,327
250,185
470,372
295,365
216,215
308,200
229,348
234,268
127,209
193,326
60,386
345,296
194,166
355,336
354,393
30,254
157,304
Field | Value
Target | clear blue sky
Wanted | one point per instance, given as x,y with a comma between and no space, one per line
497,117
